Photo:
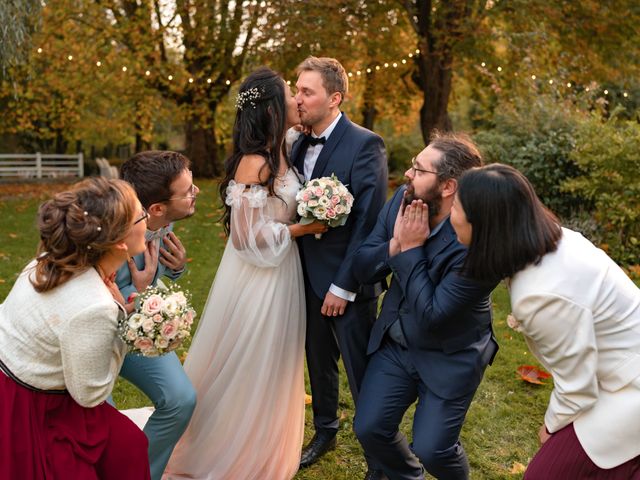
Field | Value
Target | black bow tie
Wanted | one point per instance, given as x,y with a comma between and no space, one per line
316,140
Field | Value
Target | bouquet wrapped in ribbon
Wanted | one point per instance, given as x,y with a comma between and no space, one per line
324,199
161,321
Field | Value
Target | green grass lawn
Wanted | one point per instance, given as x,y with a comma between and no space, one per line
501,428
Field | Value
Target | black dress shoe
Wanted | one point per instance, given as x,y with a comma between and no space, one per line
320,444
375,475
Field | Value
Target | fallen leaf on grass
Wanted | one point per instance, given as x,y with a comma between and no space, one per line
13,235
307,399
517,468
532,374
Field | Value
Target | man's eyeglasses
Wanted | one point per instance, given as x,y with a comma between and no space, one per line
415,168
143,217
191,195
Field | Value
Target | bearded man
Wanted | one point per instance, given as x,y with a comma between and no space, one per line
433,338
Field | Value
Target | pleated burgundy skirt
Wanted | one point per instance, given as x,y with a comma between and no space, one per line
50,436
563,458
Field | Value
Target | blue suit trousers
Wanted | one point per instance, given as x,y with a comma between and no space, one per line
164,381
391,384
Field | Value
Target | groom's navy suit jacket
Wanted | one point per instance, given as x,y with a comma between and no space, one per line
357,157
445,317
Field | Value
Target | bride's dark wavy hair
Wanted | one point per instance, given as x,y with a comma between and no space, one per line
259,129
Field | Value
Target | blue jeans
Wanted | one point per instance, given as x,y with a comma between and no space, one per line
166,384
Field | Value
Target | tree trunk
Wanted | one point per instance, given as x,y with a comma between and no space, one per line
202,149
369,110
435,76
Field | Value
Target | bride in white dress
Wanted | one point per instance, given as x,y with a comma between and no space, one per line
246,361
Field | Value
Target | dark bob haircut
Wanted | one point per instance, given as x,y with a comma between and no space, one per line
511,228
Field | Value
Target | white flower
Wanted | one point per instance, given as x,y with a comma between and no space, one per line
135,321
324,201
179,298
161,342
302,209
313,203
514,323
170,306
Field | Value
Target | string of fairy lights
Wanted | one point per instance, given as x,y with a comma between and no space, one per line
355,74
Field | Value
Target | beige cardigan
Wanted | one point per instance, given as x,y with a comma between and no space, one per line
580,315
64,338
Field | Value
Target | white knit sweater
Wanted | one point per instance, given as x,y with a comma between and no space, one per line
64,338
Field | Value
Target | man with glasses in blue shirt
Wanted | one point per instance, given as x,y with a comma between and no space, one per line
164,184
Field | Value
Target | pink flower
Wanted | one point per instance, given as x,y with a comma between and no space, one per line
187,318
319,191
148,324
157,318
335,200
152,305
331,213
169,330
143,344
305,197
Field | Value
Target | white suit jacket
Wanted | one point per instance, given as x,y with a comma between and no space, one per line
580,315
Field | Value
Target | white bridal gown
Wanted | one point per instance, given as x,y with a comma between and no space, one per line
247,358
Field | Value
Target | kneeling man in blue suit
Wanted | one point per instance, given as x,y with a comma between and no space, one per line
433,338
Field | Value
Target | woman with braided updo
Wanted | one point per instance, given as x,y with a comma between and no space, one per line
59,348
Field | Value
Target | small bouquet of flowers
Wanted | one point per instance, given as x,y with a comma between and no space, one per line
325,199
161,321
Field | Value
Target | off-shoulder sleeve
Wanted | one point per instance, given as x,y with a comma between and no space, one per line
256,237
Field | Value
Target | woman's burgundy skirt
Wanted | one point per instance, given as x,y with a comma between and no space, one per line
563,458
49,436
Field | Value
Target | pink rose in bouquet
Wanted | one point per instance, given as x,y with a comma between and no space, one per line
325,199
162,320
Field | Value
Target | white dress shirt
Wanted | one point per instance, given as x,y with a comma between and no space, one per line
310,159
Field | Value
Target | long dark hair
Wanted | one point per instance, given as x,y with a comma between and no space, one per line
259,128
511,228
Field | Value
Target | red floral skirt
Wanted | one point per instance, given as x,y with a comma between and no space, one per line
50,436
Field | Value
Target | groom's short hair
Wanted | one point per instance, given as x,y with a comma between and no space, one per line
334,77
152,172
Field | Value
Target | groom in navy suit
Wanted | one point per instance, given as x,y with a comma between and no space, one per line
340,312
433,339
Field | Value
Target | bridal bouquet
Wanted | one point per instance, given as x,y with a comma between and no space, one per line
161,321
325,199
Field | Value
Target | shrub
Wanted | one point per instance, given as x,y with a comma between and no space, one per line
609,155
537,136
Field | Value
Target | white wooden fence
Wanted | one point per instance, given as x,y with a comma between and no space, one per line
40,165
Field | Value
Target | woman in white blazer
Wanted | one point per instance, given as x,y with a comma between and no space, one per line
60,352
579,313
